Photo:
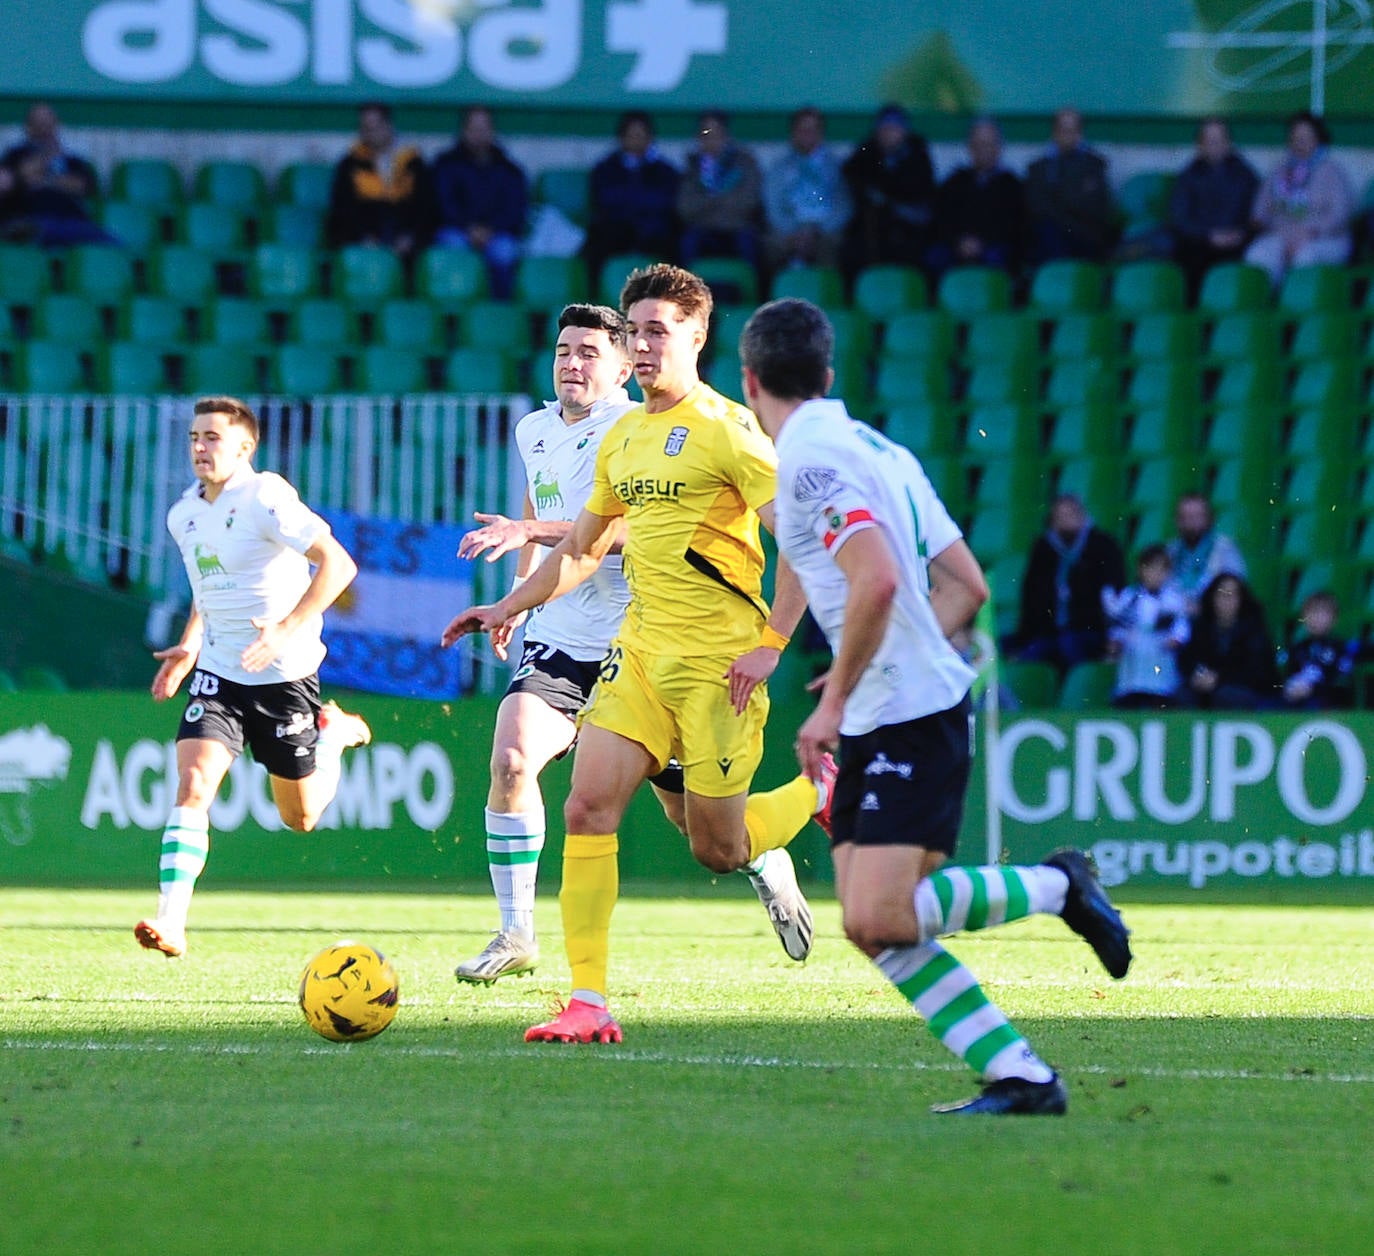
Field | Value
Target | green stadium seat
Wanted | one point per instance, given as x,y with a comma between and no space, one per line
217,229
1247,383
366,274
452,277
1159,481
547,284
1324,334
68,318
1319,484
723,375
485,371
102,272
1314,289
901,381
821,285
150,320
388,371
727,325
1101,482
1175,335
1001,531
1094,428
927,429
8,684
283,273
236,184
1002,429
135,369
222,368
306,370
1326,531
920,334
408,323
566,189
1088,382
496,325
299,225
1330,382
1004,336
307,184
853,338
323,322
183,273
732,280
147,181
884,292
1167,429
25,274
996,382
49,367
1139,288
1035,685
1143,199
967,291
1087,687
1083,335
1067,287
238,321
1323,575
1246,334
1246,436
1014,481
1167,385
1233,288
1322,432
136,227
614,271
8,328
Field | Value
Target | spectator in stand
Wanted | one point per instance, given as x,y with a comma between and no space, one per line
980,210
46,187
381,192
1319,667
633,190
1147,623
1303,209
1199,553
1209,207
483,199
1070,564
805,198
892,187
1228,661
720,198
1069,197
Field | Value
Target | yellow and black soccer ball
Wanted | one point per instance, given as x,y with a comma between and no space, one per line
349,992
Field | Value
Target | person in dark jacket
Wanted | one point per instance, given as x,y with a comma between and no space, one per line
1319,666
1209,207
892,186
1062,618
45,187
381,192
1069,197
483,199
633,198
720,198
980,210
1228,663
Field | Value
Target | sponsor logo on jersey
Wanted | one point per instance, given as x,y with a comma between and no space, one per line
676,439
190,527
724,766
813,483
208,563
538,447
882,766
870,802
298,723
636,490
839,522
546,493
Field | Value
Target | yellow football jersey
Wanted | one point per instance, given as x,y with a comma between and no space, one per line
689,482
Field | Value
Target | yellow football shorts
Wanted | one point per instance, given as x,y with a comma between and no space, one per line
680,708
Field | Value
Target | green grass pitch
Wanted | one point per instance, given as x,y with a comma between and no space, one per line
1221,1097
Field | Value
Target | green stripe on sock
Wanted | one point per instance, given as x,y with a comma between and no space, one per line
978,902
965,1004
944,891
1018,899
979,1054
184,848
167,875
941,966
508,858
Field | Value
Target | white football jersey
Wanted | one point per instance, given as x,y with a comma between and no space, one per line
836,477
245,557
559,461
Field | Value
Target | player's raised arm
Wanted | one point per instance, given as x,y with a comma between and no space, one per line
334,572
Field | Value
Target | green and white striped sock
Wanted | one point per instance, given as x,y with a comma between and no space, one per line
952,1003
513,845
956,900
185,847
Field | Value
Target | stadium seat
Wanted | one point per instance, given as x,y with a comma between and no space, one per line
1085,382
723,375
147,181
484,371
1004,336
1152,523
283,274
1169,428
1247,334
999,530
1035,685
1094,428
884,292
217,229
1143,199
452,277
307,184
821,285
903,380
547,284
615,271
732,280
298,225
183,273
136,227
222,368
967,291
1330,382
1067,287
303,370
1319,484
237,321
46,366
1323,531
566,190
1247,383
8,329
1322,575
151,320
366,274
1002,429
1162,479
1087,687
135,369
929,429
102,272
1101,483
1004,576
920,334
324,322
1245,435
68,318
1083,335
1173,335
996,382
853,339
496,325
408,323
1324,334
1322,432
1314,289
25,274
1139,288
1232,288
388,371
1014,480
235,184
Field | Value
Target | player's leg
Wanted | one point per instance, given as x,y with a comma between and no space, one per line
201,766
529,733
608,769
301,743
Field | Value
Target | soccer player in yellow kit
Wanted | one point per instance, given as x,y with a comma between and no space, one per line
692,474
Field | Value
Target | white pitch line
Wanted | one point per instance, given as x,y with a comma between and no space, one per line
619,1056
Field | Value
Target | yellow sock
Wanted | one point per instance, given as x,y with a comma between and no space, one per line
591,883
775,818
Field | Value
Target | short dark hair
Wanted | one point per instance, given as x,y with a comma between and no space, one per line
629,118
789,344
1153,553
665,282
1318,124
595,318
375,106
237,412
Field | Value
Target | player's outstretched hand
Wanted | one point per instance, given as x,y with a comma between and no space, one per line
474,619
267,649
177,661
499,536
748,672
501,635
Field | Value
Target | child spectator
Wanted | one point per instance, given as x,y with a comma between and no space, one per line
1318,667
1147,623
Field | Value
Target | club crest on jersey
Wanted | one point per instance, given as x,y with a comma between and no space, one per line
813,483
582,444
676,439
